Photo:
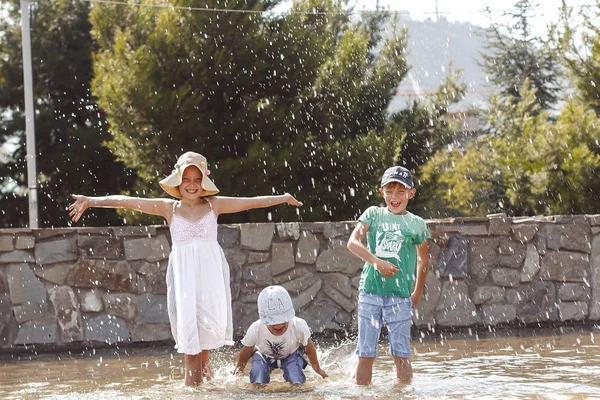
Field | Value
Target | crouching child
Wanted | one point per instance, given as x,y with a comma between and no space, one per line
278,339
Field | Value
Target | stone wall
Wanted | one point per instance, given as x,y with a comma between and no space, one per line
77,286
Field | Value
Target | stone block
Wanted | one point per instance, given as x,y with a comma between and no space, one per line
56,251
473,230
228,235
282,257
102,247
569,237
484,257
320,316
572,310
6,243
90,301
424,313
531,265
16,256
257,236
26,289
574,292
453,260
535,302
494,314
60,233
106,329
66,309
256,257
595,279
54,273
499,225
288,231
506,277
333,230
524,233
151,333
341,300
156,276
259,274
337,258
307,249
455,307
291,275
488,295
149,249
122,305
341,282
44,331
307,296
511,253
303,282
244,314
152,309
25,242
112,275
564,266
132,231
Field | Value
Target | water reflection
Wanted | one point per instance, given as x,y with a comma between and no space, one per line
554,367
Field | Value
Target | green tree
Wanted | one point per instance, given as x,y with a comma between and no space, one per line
513,55
294,102
70,128
531,165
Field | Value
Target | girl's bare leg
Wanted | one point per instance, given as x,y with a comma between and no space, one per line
197,367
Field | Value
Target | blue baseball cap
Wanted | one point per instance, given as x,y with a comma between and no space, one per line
397,174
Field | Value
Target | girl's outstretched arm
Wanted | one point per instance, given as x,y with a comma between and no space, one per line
228,205
161,207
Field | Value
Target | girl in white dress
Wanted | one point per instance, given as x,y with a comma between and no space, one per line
198,292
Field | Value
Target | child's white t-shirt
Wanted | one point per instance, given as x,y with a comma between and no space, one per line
277,347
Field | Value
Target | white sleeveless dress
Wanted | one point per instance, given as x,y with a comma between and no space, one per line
198,292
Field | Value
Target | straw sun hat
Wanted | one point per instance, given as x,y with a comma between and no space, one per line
171,183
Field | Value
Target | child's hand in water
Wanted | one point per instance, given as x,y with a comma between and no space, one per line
81,204
292,201
322,373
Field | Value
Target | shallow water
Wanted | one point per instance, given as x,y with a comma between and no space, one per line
563,366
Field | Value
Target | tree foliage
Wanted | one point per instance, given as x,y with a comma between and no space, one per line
69,127
513,55
295,102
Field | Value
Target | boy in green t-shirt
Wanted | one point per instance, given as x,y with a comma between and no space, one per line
396,243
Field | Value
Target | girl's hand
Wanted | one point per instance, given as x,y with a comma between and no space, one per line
81,204
385,268
292,201
321,372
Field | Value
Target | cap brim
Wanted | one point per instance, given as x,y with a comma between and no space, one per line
395,180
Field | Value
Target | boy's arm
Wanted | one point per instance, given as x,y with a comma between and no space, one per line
422,265
311,353
228,205
358,248
244,356
161,207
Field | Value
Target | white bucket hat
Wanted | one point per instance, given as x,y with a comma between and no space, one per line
275,306
171,183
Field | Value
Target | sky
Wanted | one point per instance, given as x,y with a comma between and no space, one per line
473,10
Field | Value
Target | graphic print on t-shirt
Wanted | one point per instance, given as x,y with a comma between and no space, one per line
389,243
276,349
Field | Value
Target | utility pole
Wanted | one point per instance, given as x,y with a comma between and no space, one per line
29,116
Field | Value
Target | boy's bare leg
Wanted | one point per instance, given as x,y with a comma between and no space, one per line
364,370
403,369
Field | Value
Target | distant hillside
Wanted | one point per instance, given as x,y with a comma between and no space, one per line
432,45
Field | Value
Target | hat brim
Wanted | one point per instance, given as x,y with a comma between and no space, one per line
281,318
396,180
171,183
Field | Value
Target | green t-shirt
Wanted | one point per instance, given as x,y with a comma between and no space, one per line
393,238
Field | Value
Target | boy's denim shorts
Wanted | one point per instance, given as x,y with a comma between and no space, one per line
374,311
